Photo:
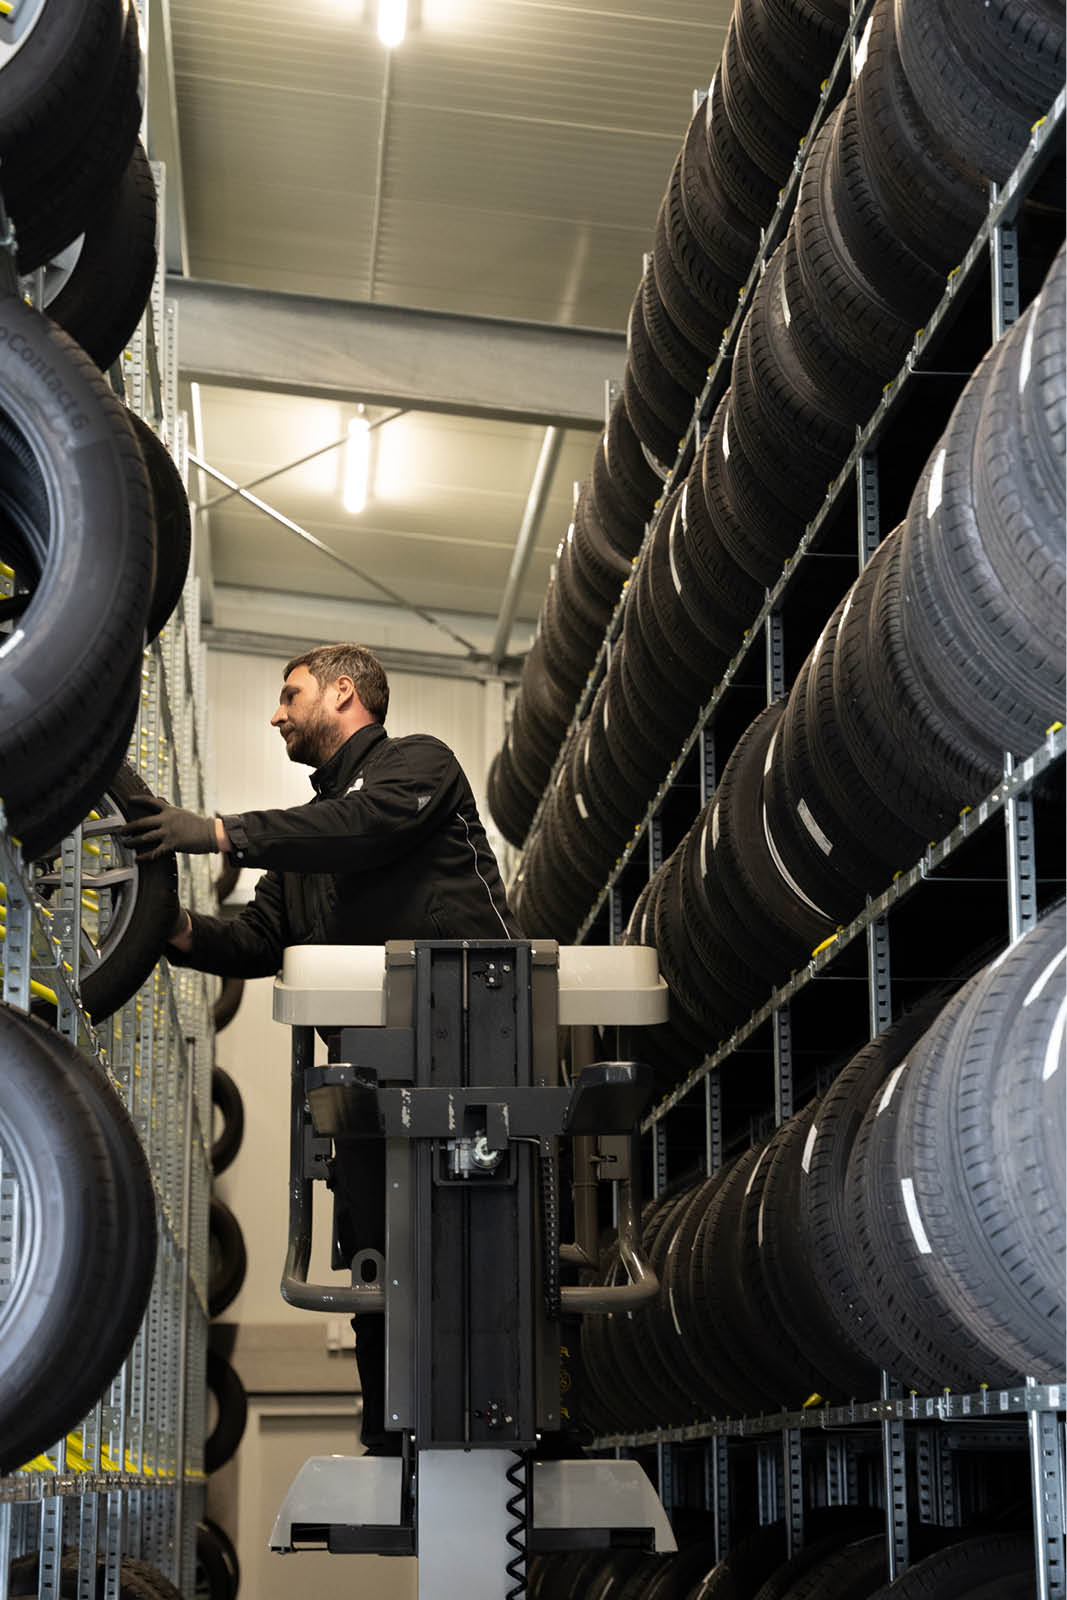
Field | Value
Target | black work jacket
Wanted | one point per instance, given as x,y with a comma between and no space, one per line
391,847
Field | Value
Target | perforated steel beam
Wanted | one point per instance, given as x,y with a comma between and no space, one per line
391,355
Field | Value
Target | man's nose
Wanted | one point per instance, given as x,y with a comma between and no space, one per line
277,717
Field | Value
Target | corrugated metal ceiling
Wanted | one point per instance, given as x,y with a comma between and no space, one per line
507,160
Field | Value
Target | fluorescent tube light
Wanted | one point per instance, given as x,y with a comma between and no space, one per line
357,465
392,22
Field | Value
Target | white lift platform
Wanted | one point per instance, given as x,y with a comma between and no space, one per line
449,1052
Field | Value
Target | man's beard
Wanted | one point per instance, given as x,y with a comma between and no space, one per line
311,745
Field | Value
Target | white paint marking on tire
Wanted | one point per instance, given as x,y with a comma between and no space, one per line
769,757
674,1314
1040,982
583,810
860,59
824,844
670,556
783,869
755,1170
759,1224
907,1189
786,313
1026,357
1054,1049
891,1083
937,476
715,828
809,1146
726,437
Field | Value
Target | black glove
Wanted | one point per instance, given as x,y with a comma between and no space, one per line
165,828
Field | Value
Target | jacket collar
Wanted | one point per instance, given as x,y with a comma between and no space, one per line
335,774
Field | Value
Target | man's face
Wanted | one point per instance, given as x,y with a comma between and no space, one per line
304,720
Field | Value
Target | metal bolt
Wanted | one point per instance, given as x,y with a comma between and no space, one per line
396,1416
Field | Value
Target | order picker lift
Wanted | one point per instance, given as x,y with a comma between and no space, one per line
449,1051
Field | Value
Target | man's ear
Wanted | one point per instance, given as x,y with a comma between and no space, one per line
345,690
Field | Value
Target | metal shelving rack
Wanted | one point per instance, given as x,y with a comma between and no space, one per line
932,1424
130,1480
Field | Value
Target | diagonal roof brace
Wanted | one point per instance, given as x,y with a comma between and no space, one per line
396,356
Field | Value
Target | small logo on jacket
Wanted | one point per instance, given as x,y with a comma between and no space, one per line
357,785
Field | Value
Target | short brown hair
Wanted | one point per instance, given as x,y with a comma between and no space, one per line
328,662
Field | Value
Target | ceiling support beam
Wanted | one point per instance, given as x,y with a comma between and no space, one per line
526,541
395,356
284,646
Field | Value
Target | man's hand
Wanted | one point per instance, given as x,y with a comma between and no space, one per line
164,828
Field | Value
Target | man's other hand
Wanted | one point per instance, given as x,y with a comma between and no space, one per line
164,828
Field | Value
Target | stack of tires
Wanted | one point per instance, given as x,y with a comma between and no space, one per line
910,1220
848,1562
735,157
946,652
95,531
227,1265
892,191
76,181
227,1256
83,1252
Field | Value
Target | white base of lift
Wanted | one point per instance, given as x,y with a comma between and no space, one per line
463,1516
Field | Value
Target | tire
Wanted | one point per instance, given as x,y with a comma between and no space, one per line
137,1580
89,1214
173,527
998,1566
142,899
747,187
70,800
228,1258
898,275
56,81
787,928
687,365
847,1574
218,1574
232,1404
698,298
915,173
909,1329
749,1563
982,84
737,595
828,1362
762,124
727,238
982,1119
822,1215
61,425
786,423
714,1286
225,1008
226,1098
101,300
54,208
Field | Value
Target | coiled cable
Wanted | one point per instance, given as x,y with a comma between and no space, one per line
518,1476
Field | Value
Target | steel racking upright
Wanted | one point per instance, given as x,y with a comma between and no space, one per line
130,1480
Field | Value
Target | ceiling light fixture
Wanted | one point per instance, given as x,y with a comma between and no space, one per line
357,465
392,22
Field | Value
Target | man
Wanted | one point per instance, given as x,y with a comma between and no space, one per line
391,847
